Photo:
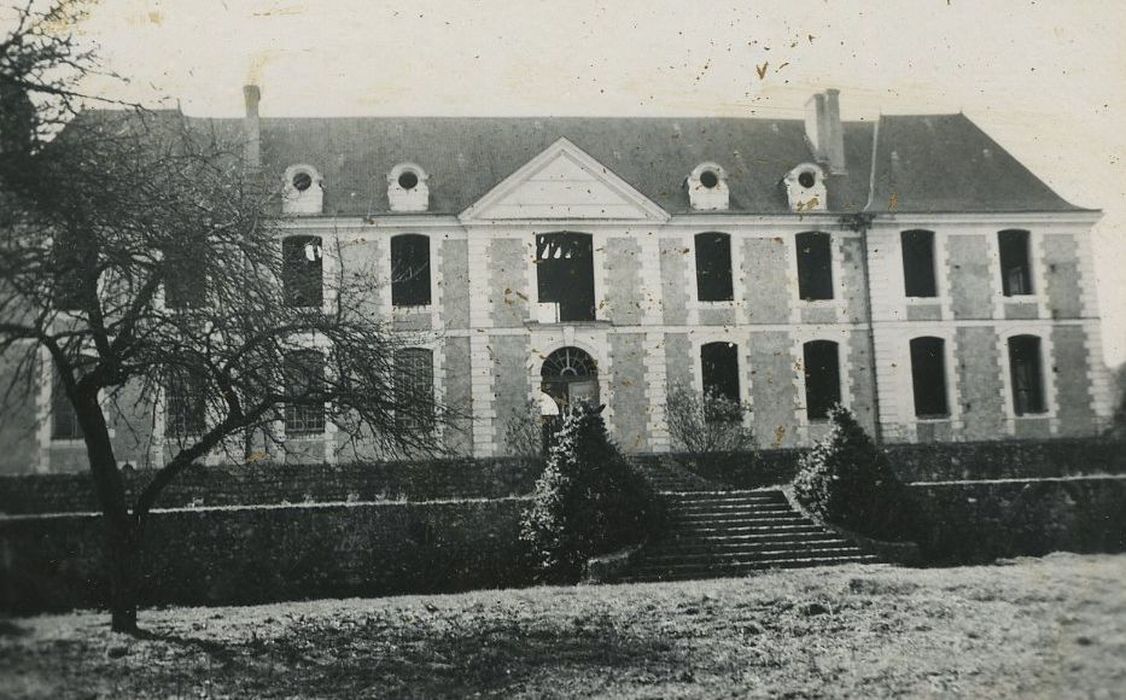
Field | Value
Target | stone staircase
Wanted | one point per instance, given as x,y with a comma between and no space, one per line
732,533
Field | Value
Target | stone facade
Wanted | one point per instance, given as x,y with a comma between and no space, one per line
491,333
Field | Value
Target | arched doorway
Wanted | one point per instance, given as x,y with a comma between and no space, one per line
569,376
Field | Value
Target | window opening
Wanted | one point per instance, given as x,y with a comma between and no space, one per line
302,271
410,270
1027,374
928,377
918,264
64,419
713,267
185,412
1016,269
719,370
569,375
815,266
414,386
565,274
822,378
304,380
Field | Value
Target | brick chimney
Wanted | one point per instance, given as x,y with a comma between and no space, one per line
824,131
252,130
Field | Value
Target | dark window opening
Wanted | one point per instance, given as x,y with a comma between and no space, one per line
713,267
302,271
185,283
1027,374
565,274
408,180
410,270
570,376
185,412
70,274
918,264
414,387
302,181
304,382
822,378
815,265
709,179
1016,268
928,377
64,419
719,365
807,179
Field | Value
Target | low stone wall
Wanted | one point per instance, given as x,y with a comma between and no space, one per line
933,461
979,521
279,484
258,554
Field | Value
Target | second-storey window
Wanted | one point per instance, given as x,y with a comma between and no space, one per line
918,264
565,274
815,265
302,271
410,270
713,267
1016,264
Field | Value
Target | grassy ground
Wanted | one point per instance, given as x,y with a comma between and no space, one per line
1030,628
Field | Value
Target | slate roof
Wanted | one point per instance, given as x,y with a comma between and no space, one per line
926,163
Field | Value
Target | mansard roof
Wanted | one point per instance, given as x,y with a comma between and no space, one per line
923,163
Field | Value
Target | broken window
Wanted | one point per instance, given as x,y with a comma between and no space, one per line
302,271
64,419
918,264
713,267
1027,374
1016,266
304,383
928,377
414,386
719,369
822,378
185,408
565,274
815,265
410,270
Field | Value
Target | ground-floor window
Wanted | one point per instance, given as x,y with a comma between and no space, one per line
304,377
414,386
928,377
719,372
1026,371
820,359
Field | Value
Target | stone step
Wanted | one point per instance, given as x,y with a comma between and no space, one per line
673,573
696,538
716,519
737,509
752,555
723,547
772,495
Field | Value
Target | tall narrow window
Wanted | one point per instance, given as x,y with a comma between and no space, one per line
304,381
185,284
918,264
1016,265
713,267
719,369
815,265
64,419
302,271
185,409
410,270
822,378
928,377
70,272
1027,374
565,274
414,387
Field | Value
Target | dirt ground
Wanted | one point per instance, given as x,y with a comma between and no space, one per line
1052,627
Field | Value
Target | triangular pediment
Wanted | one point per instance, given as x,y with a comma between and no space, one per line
563,182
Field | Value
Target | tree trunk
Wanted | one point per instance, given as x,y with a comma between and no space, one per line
124,550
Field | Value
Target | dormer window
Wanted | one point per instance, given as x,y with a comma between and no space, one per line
805,188
707,188
407,189
302,190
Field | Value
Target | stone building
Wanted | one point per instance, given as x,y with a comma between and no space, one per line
909,268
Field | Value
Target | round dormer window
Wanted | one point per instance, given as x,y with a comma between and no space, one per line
709,179
408,180
302,181
807,179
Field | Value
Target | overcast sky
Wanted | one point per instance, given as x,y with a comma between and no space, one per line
1046,79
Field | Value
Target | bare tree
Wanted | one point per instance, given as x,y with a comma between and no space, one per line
706,425
139,258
